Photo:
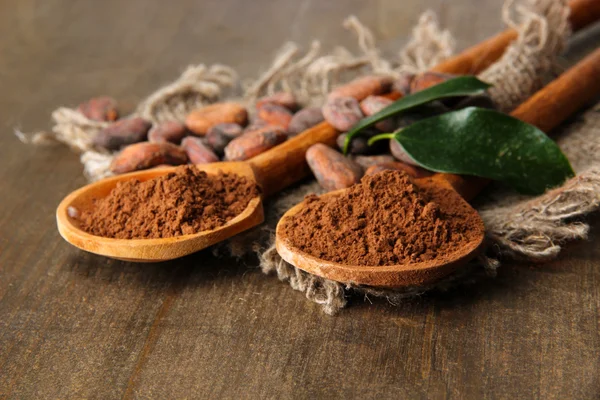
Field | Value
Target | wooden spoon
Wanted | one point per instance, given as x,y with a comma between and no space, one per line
546,109
273,170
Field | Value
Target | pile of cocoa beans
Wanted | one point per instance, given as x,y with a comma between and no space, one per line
220,131
348,104
224,131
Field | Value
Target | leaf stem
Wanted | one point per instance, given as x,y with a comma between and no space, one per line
379,137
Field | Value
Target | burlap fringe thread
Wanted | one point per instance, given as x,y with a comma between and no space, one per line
517,227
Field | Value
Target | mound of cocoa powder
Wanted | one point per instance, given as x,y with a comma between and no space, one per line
179,203
383,220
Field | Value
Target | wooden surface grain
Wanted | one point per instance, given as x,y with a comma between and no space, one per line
75,325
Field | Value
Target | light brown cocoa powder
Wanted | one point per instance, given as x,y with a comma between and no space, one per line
384,220
183,202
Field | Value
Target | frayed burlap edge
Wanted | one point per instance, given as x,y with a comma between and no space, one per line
312,75
543,30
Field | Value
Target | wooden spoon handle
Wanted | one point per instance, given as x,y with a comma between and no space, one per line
477,58
546,109
285,164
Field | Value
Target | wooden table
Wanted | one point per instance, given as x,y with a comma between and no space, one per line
74,325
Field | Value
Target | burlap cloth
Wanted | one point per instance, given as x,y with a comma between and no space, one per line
517,227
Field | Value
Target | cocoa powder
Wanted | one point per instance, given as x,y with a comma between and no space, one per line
384,220
179,203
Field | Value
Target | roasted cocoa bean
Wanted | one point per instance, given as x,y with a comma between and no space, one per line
220,135
201,120
415,172
305,119
197,151
367,161
102,108
399,153
362,87
228,129
402,84
342,112
427,79
252,143
122,133
372,105
274,114
482,101
406,119
147,155
332,170
359,144
428,110
284,99
256,124
171,131
217,142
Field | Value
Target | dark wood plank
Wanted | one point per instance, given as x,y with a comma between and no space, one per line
74,325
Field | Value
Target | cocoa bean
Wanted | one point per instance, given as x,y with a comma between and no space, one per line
332,170
359,144
305,119
428,110
402,84
399,153
414,172
227,129
220,135
256,124
482,101
201,120
372,105
122,133
274,114
342,112
252,143
362,87
147,155
284,99
427,79
102,108
367,161
197,151
171,131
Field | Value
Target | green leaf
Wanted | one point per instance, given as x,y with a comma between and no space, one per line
489,144
460,86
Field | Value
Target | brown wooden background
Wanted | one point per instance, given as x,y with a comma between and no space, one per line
74,325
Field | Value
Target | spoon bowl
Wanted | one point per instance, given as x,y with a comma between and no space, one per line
388,276
152,250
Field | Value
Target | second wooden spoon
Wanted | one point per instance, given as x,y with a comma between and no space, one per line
546,109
